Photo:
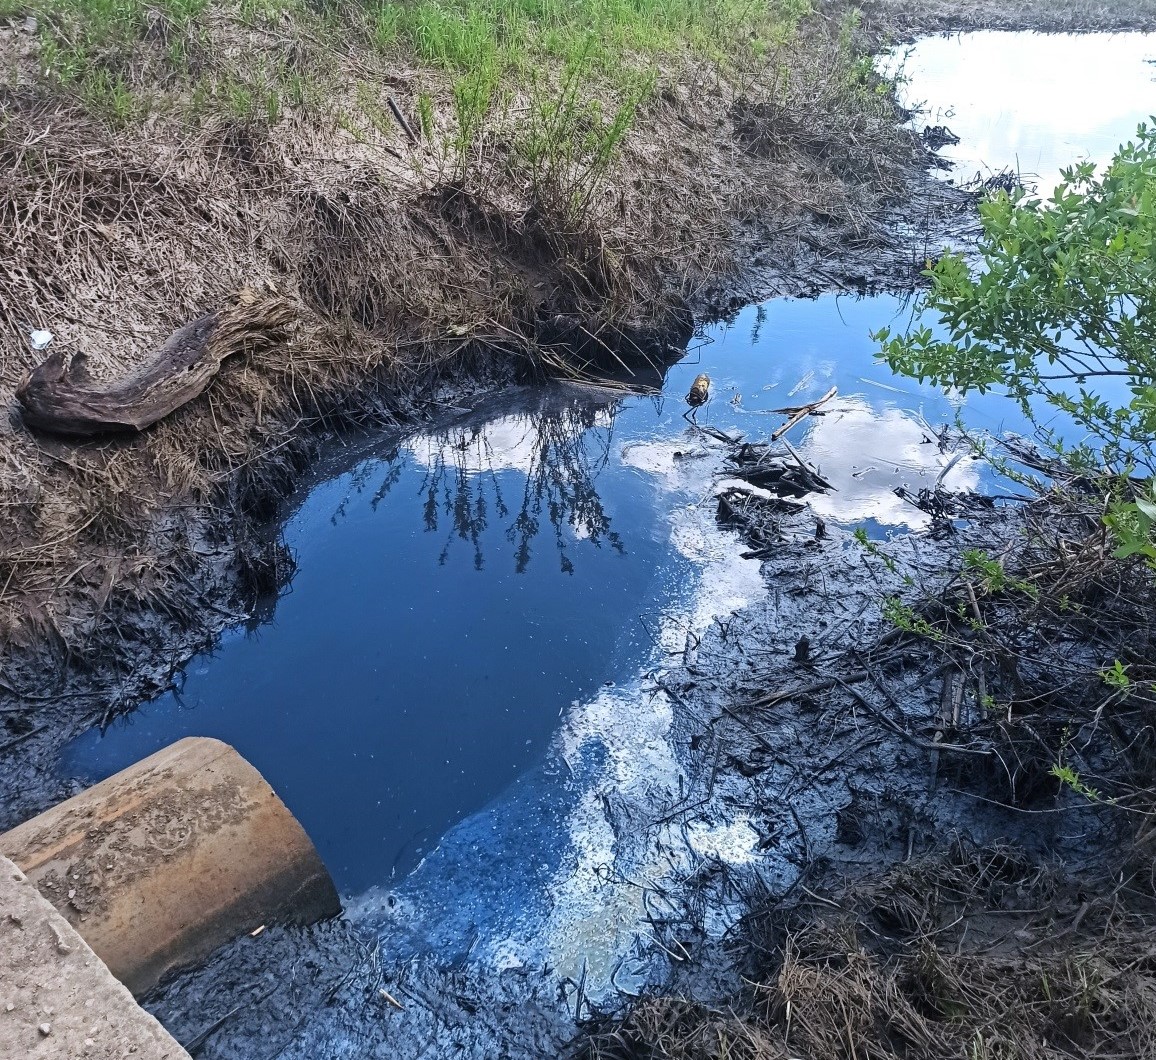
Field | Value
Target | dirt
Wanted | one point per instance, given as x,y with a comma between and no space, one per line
905,19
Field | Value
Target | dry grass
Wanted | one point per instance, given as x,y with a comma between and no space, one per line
406,263
1024,674
976,955
1045,645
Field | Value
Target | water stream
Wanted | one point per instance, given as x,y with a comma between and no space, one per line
454,684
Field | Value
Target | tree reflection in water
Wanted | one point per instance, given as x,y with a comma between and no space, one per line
533,470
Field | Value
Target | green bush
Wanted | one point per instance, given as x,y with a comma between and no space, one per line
1059,305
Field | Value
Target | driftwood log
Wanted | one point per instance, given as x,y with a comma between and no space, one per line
62,397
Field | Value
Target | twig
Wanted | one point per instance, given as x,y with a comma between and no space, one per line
805,690
5,748
396,111
915,741
801,412
943,474
813,477
195,1043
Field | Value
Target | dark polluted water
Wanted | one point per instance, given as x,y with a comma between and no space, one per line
453,595
453,689
458,591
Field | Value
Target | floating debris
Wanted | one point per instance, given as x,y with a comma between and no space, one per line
698,396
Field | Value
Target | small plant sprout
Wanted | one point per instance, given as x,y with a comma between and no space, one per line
1069,778
904,617
1116,676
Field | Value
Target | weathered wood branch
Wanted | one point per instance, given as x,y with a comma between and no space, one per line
801,412
62,397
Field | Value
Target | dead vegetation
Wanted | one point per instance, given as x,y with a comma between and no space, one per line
977,954
1021,679
61,397
1036,649
1045,648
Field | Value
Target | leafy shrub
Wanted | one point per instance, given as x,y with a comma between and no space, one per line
1059,310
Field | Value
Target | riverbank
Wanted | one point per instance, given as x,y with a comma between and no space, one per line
903,19
863,793
549,230
420,259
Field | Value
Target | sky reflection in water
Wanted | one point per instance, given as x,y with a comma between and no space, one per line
1033,103
456,593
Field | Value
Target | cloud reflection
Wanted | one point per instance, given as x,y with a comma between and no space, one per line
867,453
558,444
1030,102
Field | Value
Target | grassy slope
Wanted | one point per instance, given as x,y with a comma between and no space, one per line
158,157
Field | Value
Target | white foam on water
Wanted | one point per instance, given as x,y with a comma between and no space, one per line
736,842
624,734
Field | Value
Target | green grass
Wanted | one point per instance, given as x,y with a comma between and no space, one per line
466,34
514,34
106,94
87,46
263,12
483,45
584,66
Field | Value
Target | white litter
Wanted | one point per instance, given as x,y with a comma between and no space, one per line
41,340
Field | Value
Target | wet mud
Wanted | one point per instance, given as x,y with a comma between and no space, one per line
791,769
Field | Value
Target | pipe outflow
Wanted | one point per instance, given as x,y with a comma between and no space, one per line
169,859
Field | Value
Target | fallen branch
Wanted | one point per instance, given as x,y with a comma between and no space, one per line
900,731
801,412
773,698
63,398
400,118
815,481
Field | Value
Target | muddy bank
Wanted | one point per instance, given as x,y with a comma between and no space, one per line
972,951
207,557
415,282
904,19
999,903
792,771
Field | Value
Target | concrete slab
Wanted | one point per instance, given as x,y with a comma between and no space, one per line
58,1000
